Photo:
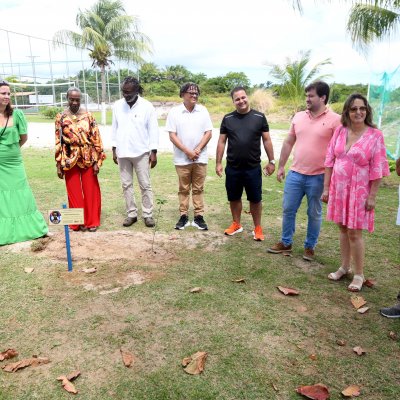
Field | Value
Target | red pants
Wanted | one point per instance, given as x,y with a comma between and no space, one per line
84,192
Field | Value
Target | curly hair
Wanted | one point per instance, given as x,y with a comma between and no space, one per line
131,80
187,86
73,89
345,119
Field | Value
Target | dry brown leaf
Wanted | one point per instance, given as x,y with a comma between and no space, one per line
186,361
275,387
363,310
67,385
71,376
247,212
312,357
29,270
89,270
359,350
195,290
341,342
370,283
287,254
392,335
26,362
351,391
239,280
315,392
194,364
127,358
288,291
7,354
357,301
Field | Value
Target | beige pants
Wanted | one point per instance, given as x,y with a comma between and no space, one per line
191,177
142,169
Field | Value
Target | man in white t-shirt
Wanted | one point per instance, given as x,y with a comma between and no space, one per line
190,129
134,140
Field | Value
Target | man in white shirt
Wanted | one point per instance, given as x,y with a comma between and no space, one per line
190,128
134,140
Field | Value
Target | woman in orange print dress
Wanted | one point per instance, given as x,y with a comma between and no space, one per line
79,156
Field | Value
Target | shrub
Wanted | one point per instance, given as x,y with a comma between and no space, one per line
337,107
163,88
50,112
262,100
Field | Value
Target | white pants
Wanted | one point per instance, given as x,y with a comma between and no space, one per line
142,169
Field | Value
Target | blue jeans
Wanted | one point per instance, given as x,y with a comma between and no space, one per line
297,185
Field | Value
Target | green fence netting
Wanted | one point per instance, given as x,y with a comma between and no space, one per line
384,97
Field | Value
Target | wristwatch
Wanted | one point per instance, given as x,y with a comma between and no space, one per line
272,162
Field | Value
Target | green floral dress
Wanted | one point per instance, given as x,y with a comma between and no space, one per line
20,220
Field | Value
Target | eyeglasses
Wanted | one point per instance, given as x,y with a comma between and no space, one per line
355,109
194,94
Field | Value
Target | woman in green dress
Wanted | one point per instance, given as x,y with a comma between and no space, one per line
20,220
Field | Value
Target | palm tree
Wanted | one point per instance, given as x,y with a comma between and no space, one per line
106,31
369,20
293,76
373,20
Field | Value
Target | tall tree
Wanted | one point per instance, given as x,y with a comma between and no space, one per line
294,75
106,31
369,20
177,73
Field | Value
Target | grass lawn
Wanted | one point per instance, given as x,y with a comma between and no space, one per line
216,119
258,341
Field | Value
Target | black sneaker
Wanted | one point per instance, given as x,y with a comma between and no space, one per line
199,223
391,312
183,221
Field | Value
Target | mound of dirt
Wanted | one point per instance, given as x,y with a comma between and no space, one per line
105,246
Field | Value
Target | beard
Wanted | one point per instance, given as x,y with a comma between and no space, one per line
131,99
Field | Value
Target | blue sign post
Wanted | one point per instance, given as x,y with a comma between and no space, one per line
66,216
68,244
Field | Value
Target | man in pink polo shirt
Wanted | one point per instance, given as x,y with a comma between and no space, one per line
311,131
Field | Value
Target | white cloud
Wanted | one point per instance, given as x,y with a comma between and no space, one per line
212,36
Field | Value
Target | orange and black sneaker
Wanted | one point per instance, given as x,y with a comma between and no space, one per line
258,234
233,229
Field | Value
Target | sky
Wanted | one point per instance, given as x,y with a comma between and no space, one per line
210,36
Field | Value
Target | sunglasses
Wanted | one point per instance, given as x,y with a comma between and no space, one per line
355,109
193,94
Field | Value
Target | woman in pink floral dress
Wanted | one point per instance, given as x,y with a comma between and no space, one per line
354,166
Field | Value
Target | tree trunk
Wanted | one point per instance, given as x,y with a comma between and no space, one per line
103,94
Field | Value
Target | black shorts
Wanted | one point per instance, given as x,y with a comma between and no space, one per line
249,179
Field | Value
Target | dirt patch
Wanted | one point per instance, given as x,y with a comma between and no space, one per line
118,245
122,258
307,266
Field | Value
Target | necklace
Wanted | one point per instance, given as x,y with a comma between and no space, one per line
73,115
